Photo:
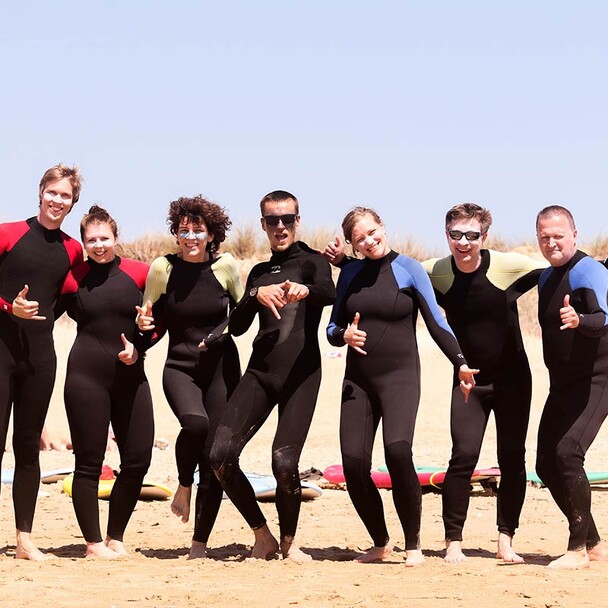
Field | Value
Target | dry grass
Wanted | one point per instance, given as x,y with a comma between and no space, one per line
248,245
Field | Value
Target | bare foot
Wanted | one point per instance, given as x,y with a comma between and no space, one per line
453,552
571,560
117,546
505,550
26,549
100,550
374,554
413,557
599,553
291,551
181,502
198,550
265,545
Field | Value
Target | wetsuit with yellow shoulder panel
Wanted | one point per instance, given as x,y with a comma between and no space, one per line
192,301
481,308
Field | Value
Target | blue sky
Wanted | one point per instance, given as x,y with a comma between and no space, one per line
408,107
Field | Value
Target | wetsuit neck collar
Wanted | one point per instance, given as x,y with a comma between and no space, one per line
279,256
38,227
110,268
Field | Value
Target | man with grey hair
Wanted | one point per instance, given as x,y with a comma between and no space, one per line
573,315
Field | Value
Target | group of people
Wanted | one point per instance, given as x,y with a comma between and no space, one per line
123,307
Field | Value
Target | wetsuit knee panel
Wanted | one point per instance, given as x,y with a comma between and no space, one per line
193,424
399,454
285,463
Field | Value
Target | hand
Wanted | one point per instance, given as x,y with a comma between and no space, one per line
294,292
145,320
26,309
354,336
273,297
334,251
569,316
466,375
129,354
202,345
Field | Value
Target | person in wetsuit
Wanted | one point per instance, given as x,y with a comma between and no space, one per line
35,257
288,293
105,382
478,290
189,294
377,304
573,315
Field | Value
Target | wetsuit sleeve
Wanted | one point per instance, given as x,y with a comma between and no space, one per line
227,272
242,316
589,283
9,234
322,291
338,324
438,327
514,272
156,287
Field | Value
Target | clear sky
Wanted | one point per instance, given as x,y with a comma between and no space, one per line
408,107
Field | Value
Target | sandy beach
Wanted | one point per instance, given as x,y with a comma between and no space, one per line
157,573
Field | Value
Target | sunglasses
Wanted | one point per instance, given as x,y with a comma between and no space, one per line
199,235
273,220
470,235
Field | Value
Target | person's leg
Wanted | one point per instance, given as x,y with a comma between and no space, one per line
296,409
32,396
246,411
184,397
88,421
512,413
399,405
468,423
577,413
133,424
220,374
359,419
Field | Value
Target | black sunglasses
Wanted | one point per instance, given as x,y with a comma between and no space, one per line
470,235
273,220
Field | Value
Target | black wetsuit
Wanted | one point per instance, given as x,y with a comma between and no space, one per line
284,368
191,301
385,384
577,360
41,258
481,308
100,389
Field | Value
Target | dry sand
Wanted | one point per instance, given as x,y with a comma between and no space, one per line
157,572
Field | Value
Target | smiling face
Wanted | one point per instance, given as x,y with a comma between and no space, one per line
368,237
55,203
99,242
466,253
282,235
556,239
192,238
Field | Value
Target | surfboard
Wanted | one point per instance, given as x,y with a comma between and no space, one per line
45,476
427,476
594,477
150,490
265,486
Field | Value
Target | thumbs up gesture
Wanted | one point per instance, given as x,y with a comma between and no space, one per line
145,320
24,308
128,355
354,336
334,250
569,316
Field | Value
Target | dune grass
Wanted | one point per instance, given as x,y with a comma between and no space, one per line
248,245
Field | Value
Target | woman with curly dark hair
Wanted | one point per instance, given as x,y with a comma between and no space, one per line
189,295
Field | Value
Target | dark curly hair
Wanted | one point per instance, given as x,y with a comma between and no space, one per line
199,209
